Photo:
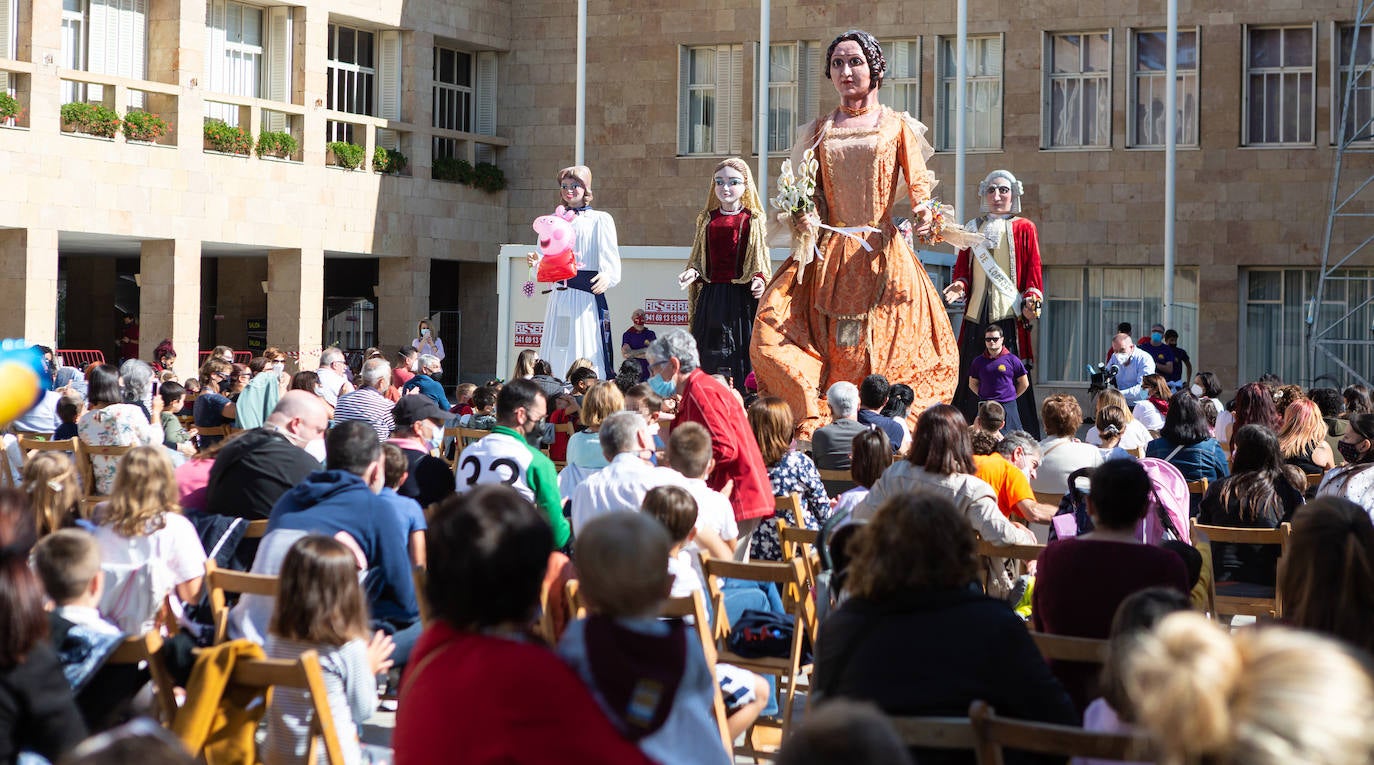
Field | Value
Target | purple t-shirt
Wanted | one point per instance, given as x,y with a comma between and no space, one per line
997,377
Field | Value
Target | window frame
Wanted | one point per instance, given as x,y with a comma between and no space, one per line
1338,74
727,125
891,83
337,70
944,140
1136,75
1246,71
781,134
1047,85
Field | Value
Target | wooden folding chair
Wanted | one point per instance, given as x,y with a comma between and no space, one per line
304,673
800,543
218,581
837,481
1242,597
137,649
1314,479
1198,487
1207,579
256,529
87,455
420,576
29,446
790,502
791,577
463,438
992,553
694,606
37,435
935,732
993,734
1068,648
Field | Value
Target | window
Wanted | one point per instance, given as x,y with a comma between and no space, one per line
1078,90
352,77
1084,305
782,96
901,90
710,106
1279,85
73,46
982,96
1361,109
233,54
464,98
1273,329
116,42
1149,54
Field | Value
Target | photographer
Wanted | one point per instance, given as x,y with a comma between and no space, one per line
1131,365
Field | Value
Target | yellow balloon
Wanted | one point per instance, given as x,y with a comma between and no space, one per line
19,388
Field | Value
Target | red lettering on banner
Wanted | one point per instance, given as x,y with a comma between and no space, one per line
670,312
529,333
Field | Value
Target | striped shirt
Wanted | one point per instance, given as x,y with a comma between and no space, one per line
369,406
352,693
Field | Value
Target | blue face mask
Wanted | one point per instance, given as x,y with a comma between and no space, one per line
1156,338
661,386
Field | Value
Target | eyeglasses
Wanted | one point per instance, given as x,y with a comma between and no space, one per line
573,186
999,189
720,182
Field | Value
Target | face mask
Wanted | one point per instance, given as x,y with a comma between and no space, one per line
315,449
1196,390
1156,337
278,367
1121,358
662,387
415,366
1349,451
436,438
424,332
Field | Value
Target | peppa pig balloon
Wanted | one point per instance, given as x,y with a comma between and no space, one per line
557,261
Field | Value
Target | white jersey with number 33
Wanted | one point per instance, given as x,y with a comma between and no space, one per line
496,458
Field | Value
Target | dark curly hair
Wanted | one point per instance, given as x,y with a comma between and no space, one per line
877,63
916,542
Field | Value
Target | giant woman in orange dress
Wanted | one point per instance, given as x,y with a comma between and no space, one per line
860,302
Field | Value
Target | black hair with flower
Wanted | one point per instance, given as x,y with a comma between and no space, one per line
877,63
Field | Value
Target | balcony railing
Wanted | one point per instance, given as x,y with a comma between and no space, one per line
15,79
259,115
123,94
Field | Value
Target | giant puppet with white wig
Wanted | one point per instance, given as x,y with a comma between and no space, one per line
1000,283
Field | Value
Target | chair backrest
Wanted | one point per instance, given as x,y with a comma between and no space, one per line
993,733
29,446
256,529
1314,479
1197,487
801,544
86,457
694,607
1049,497
303,673
1251,601
137,649
218,581
935,732
1068,648
790,502
789,574
1207,580
989,553
837,481
462,438
220,431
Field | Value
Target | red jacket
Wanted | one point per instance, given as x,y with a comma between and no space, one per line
471,698
714,407
1028,278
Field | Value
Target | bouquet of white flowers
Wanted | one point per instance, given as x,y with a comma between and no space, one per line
797,194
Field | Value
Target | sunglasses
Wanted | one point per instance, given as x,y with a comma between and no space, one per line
992,339
999,189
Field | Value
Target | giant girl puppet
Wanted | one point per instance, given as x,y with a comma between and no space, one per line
858,302
727,270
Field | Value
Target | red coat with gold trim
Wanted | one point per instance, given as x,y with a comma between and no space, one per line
1026,244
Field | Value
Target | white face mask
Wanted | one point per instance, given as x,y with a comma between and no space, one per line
415,366
315,449
1196,390
278,367
1121,358
436,437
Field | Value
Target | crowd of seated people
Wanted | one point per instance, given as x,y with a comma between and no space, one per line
429,571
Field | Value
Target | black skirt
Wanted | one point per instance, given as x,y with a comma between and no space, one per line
722,325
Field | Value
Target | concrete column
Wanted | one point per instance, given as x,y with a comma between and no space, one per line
169,300
311,77
295,303
402,298
43,46
417,104
176,56
28,285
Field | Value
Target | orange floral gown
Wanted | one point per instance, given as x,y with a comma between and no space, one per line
853,313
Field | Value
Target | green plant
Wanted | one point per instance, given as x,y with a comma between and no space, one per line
9,106
488,177
227,138
386,160
451,169
93,119
347,155
276,144
144,126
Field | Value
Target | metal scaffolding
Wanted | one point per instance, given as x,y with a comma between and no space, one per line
1340,338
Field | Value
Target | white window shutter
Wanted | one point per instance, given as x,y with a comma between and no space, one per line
807,77
684,109
388,84
484,111
280,41
6,38
942,139
729,127
994,55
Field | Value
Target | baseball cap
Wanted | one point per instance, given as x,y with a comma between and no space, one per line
415,407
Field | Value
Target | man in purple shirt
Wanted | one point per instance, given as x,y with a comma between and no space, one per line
998,375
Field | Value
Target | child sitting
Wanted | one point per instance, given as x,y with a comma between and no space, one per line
174,435
689,453
69,410
869,456
411,514
483,416
54,491
462,398
649,676
321,607
992,417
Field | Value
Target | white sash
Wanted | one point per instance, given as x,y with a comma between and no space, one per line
996,275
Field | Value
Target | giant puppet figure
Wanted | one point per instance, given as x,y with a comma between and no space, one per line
999,281
853,299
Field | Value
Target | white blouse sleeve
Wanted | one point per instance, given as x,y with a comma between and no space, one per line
607,249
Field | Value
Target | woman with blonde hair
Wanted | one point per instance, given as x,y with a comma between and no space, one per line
1302,437
1133,437
524,364
148,550
1257,697
789,471
54,491
584,447
727,270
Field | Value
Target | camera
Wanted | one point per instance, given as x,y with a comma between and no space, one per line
1101,377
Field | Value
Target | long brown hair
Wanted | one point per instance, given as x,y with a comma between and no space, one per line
320,600
1326,576
771,420
941,444
25,623
917,541
54,491
145,487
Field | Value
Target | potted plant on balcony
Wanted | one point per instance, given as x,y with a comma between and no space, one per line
92,119
345,154
451,169
274,143
488,177
388,161
9,107
221,136
144,126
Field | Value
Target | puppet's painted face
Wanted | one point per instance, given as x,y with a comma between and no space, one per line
849,70
999,196
729,187
572,191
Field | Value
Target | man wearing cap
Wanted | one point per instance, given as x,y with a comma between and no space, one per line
999,281
577,322
369,403
506,456
419,432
